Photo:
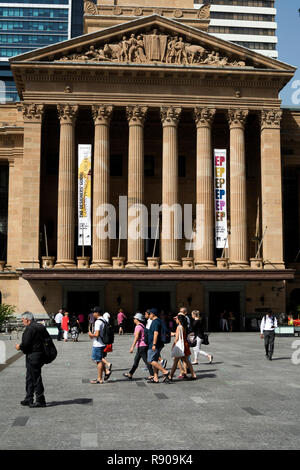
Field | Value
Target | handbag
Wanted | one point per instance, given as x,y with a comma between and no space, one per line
178,348
192,340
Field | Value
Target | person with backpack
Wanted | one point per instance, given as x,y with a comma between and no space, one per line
155,345
33,346
102,336
141,347
267,332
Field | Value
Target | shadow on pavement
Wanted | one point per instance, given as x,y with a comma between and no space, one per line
281,358
76,401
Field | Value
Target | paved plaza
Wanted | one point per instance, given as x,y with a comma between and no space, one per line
242,401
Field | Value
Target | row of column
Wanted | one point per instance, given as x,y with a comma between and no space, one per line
170,115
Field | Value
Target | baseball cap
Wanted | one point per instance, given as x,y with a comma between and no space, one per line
139,317
154,311
97,310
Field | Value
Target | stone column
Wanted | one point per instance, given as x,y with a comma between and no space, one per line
204,252
271,189
101,246
66,187
169,244
135,247
32,115
238,240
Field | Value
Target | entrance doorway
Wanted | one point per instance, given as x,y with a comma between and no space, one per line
220,301
158,299
82,302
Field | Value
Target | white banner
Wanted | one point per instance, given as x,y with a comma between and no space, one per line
220,158
84,195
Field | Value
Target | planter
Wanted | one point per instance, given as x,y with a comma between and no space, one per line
83,262
48,262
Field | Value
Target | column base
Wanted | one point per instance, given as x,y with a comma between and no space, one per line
65,264
30,264
204,265
188,263
170,265
275,265
238,265
118,262
138,264
83,262
101,264
153,262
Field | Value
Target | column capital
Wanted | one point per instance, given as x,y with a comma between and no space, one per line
204,116
170,115
270,118
32,112
136,114
67,113
237,118
102,114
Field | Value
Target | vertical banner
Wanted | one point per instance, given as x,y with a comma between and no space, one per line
220,198
84,195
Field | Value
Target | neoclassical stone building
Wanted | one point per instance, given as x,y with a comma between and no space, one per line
154,94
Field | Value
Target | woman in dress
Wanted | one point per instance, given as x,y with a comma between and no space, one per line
198,330
121,317
65,326
181,333
74,327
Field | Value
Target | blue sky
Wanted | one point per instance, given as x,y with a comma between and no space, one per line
288,20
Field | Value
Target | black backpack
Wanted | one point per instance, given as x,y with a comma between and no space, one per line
50,351
108,335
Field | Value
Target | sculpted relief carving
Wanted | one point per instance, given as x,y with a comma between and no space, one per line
154,47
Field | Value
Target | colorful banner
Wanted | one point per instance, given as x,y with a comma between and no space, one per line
220,157
84,195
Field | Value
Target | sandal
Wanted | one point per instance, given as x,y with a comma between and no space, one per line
106,376
152,381
166,378
128,376
96,381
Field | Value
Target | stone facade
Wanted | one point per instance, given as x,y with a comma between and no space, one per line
149,90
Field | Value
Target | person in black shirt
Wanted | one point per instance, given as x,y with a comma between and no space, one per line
32,347
198,330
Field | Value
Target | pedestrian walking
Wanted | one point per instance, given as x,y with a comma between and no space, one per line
141,347
121,317
267,331
155,346
183,311
91,321
223,321
231,322
180,348
58,318
65,326
74,327
108,349
98,354
32,347
81,322
199,331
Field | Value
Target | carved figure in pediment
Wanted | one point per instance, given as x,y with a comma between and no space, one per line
155,46
211,58
94,54
181,52
171,52
132,48
140,50
124,50
113,51
195,53
239,63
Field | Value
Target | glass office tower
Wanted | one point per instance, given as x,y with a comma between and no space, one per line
249,23
25,26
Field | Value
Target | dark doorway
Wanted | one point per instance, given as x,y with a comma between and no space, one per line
220,301
82,302
157,299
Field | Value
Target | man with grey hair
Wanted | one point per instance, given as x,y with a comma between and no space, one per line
32,347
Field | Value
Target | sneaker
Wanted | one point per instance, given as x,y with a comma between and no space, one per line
164,363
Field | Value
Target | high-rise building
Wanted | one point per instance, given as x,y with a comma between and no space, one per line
28,25
249,23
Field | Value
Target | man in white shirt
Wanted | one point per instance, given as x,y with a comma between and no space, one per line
267,331
58,318
98,353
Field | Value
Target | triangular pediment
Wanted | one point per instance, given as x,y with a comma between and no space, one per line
152,40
